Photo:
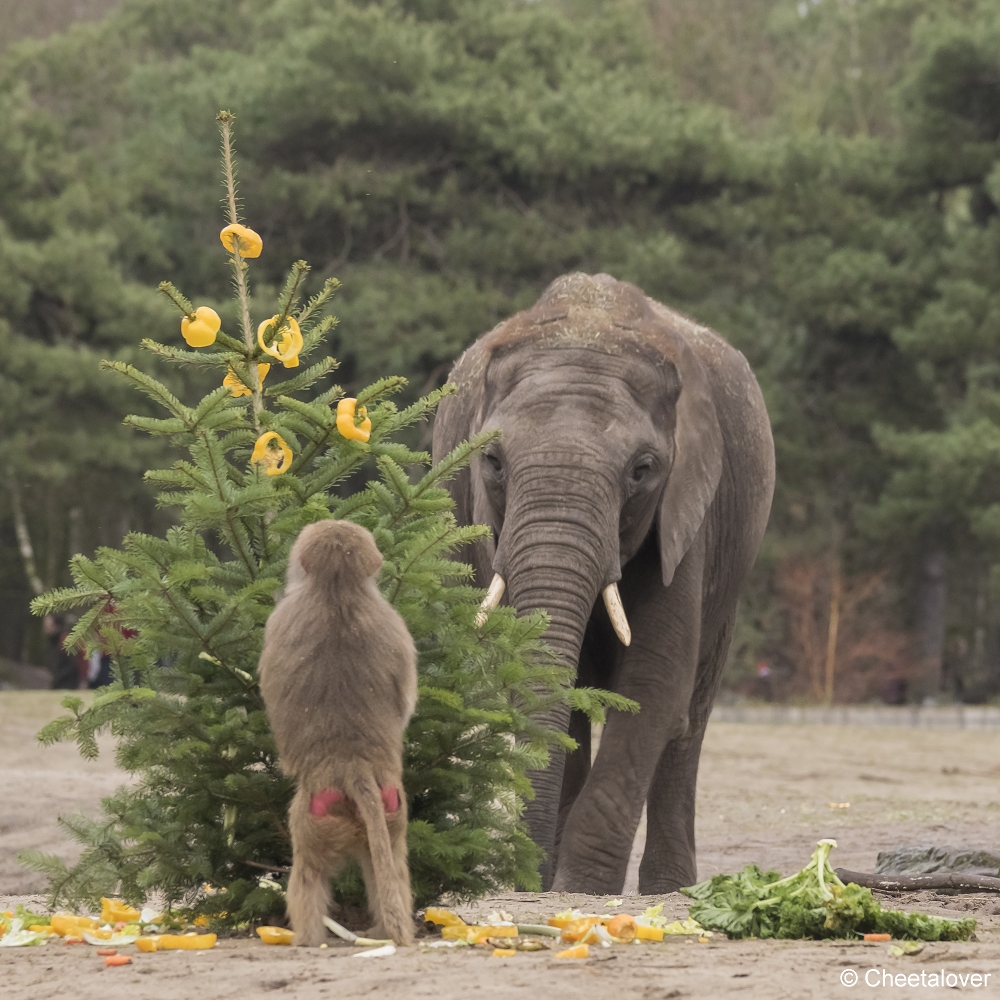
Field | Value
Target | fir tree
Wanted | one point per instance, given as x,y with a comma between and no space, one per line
183,618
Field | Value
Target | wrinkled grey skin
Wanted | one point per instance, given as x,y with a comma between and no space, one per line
636,448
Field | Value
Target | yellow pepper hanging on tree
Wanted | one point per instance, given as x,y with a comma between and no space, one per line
235,385
345,421
287,342
236,237
275,460
200,328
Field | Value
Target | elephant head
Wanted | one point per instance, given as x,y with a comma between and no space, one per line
609,441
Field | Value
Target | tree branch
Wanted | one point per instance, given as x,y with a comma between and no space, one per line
914,883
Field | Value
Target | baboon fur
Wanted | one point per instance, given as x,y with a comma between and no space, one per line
339,678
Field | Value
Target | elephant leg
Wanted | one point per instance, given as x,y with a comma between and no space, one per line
658,671
669,861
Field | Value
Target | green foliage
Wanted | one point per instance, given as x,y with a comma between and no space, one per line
817,181
812,903
183,617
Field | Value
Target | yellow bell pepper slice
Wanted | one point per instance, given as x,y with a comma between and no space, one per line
560,920
504,952
67,923
579,951
185,942
147,944
458,932
235,385
276,461
287,342
275,935
580,929
237,237
114,910
442,917
471,933
502,931
643,933
345,421
199,329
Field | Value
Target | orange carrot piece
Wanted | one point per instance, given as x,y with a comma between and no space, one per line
118,960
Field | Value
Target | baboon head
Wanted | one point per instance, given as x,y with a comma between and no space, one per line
336,552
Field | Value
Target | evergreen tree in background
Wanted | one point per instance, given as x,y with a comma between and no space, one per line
183,618
812,179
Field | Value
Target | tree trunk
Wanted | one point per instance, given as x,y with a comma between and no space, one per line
831,633
932,600
23,535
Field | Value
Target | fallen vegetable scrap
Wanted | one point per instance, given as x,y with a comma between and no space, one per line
812,903
185,942
17,936
442,917
275,935
67,924
114,910
384,952
352,938
906,948
504,938
623,927
119,925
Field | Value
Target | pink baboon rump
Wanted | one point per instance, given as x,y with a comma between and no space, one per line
320,802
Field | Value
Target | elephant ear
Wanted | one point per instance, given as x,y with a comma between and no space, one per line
458,418
697,466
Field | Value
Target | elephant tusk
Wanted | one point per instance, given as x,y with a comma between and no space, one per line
492,599
613,602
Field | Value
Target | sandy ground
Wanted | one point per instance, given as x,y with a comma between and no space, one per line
764,797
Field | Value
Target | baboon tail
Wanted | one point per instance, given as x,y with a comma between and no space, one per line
394,912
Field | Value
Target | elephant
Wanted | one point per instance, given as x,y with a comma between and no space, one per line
627,495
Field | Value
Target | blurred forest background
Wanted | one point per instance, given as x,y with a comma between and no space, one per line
817,179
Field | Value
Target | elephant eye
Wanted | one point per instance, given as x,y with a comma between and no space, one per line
641,470
493,461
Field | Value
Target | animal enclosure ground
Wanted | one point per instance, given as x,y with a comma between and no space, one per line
764,795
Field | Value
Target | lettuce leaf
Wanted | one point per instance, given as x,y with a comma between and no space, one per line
812,903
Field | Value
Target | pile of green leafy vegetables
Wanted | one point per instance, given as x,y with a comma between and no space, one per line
812,903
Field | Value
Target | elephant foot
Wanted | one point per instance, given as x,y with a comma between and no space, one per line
591,882
656,883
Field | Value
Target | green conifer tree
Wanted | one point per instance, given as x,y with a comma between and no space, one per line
183,619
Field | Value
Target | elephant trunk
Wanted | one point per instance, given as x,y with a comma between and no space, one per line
558,560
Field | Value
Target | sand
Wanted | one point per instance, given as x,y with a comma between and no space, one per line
764,796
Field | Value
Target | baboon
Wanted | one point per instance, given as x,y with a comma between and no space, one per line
338,673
